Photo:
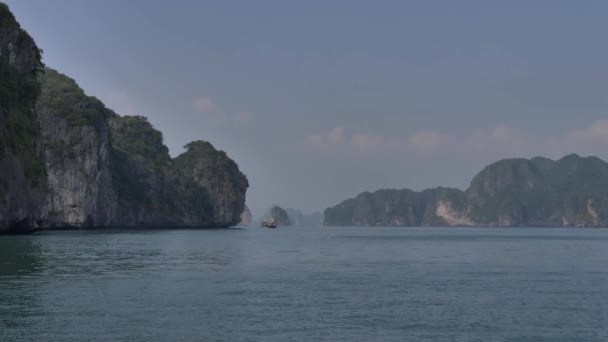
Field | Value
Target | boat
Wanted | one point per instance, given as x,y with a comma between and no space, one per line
272,223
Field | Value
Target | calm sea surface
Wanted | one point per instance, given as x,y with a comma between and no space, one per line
306,284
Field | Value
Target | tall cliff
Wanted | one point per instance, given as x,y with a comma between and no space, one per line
77,145
572,191
111,170
103,169
22,169
512,192
151,191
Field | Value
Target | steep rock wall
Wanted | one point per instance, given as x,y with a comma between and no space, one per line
22,169
77,150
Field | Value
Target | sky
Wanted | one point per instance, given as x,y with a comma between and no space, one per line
320,100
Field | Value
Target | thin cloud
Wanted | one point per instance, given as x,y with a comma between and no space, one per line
336,136
332,139
337,139
596,132
241,117
592,139
364,142
499,142
426,140
316,141
206,105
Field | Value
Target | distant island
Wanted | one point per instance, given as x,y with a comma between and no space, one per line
292,217
298,218
570,192
280,216
246,217
66,160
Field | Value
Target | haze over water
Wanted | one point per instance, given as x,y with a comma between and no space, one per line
306,284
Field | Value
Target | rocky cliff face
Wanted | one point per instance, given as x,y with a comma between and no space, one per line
77,149
151,191
219,175
398,208
22,169
110,170
571,191
103,169
512,192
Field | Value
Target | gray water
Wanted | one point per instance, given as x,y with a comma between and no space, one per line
306,284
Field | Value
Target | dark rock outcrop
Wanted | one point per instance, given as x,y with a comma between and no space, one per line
22,168
150,190
570,192
211,169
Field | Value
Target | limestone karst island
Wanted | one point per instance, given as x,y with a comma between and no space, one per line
69,161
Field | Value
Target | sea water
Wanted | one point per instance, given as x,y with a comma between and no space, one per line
306,284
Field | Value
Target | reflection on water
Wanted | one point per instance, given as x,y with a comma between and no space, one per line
305,284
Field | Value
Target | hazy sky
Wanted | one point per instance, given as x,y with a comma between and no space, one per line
319,100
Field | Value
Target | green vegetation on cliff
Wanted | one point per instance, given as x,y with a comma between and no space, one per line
214,171
104,169
570,191
20,64
512,192
390,207
151,188
198,152
146,177
135,135
62,96
22,167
